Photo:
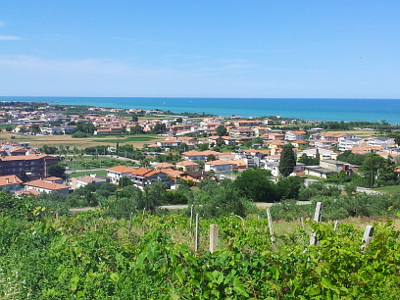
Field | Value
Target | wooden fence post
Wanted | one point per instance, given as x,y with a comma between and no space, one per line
302,222
271,228
144,209
369,231
317,218
197,235
213,237
335,227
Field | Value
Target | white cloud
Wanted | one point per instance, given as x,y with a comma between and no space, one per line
9,38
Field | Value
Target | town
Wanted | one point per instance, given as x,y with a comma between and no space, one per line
181,149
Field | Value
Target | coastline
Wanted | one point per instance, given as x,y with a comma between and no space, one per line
313,109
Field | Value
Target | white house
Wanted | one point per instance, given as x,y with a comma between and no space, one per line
115,173
41,186
219,167
297,135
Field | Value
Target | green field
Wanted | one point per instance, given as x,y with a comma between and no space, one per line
388,189
123,139
98,173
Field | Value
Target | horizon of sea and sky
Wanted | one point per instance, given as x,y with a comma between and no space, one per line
316,109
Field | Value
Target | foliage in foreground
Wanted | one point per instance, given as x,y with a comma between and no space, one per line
91,256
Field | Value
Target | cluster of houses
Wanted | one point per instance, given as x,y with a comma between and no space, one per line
196,165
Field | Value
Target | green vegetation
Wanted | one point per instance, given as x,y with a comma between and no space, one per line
144,256
98,173
287,161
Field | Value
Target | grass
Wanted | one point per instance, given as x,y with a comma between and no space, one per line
98,173
388,189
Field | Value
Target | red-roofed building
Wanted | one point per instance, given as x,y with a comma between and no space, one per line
10,183
295,135
44,186
115,173
143,176
35,166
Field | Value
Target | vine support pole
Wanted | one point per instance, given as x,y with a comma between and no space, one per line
271,228
144,209
317,218
197,234
335,227
302,222
213,237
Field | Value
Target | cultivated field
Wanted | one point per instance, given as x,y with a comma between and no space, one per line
38,141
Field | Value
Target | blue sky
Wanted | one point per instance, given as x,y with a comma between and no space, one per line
280,48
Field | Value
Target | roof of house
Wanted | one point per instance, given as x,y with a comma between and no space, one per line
186,163
201,153
173,173
9,180
27,157
46,185
219,163
163,165
299,142
297,132
19,149
121,169
140,171
28,192
237,162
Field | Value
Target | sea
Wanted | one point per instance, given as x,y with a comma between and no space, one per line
318,109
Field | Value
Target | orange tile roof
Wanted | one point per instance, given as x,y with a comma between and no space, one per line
9,180
298,132
163,165
196,153
121,169
27,157
237,162
46,185
19,149
218,163
252,151
140,171
186,163
173,173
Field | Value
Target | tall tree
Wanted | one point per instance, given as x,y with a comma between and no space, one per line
221,130
23,176
372,163
57,170
256,186
287,161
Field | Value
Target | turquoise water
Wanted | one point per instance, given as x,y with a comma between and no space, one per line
372,110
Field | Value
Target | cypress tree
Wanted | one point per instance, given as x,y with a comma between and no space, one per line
287,161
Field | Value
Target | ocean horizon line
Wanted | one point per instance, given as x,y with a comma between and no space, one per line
313,109
193,97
